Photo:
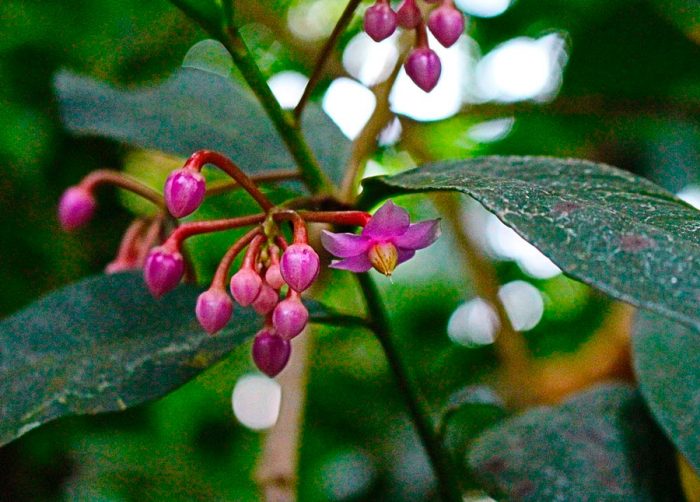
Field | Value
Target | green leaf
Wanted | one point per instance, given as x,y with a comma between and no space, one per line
210,56
600,445
208,13
104,344
601,225
666,362
192,110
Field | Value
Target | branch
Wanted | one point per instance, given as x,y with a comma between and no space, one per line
366,142
448,483
277,465
510,345
328,47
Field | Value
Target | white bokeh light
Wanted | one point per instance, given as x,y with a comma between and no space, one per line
483,8
446,98
491,130
474,323
522,68
368,61
349,104
523,303
312,20
256,401
288,87
691,195
502,242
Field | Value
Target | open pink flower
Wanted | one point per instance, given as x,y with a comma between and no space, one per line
387,240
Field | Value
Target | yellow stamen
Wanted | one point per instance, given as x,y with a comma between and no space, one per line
384,257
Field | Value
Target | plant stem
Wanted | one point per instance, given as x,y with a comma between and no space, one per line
109,177
286,126
328,47
447,480
273,176
202,157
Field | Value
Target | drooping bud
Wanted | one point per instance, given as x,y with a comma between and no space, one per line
423,66
184,191
266,300
270,352
384,257
447,24
76,207
214,309
273,276
299,266
245,286
409,15
290,317
380,21
163,270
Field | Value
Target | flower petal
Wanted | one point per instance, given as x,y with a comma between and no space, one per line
344,245
405,254
359,263
419,235
390,220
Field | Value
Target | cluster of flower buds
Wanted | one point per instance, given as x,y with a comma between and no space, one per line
273,274
445,22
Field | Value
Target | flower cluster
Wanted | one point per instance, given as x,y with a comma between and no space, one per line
273,274
446,23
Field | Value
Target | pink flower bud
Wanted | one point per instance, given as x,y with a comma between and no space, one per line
299,266
266,300
245,286
423,66
447,24
273,276
75,208
290,318
163,270
270,352
380,21
214,309
409,15
184,191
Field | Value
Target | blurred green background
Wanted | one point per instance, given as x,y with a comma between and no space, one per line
629,96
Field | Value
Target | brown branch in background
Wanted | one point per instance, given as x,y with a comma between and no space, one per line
366,142
220,187
328,47
588,105
510,345
605,356
276,473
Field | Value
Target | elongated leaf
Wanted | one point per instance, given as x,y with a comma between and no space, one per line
601,225
192,110
104,344
667,363
599,446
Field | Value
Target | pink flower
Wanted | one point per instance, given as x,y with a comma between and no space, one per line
387,240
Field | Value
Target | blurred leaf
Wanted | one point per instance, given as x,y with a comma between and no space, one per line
685,14
666,363
208,13
104,344
192,110
210,56
600,443
601,225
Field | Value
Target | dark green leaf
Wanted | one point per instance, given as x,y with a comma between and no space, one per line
208,13
600,225
192,110
104,344
667,366
599,446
